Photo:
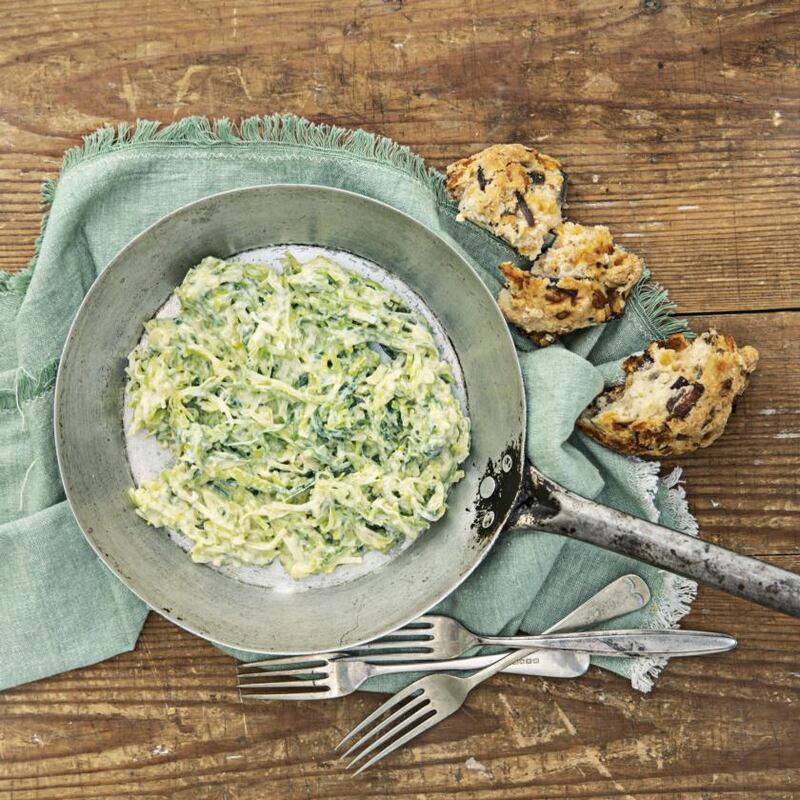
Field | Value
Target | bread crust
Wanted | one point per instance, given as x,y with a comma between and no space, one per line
582,280
676,398
514,191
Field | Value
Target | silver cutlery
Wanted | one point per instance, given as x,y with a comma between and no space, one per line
427,701
634,642
435,637
326,677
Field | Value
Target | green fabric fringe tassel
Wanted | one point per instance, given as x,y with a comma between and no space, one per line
285,129
648,299
651,302
17,281
27,386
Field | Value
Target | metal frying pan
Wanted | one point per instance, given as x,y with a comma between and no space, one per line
312,616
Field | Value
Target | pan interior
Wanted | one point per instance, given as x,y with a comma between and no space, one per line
92,450
147,458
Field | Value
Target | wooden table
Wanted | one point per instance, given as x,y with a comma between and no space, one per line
678,122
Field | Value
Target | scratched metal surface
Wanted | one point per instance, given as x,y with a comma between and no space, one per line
95,466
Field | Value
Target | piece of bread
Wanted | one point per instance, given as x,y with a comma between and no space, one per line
677,396
513,191
583,279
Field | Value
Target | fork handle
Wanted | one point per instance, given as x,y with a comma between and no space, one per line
622,596
634,594
544,664
621,643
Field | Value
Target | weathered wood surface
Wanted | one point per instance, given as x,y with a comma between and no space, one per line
678,123
677,120
165,721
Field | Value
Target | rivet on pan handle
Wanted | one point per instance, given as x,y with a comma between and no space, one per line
550,507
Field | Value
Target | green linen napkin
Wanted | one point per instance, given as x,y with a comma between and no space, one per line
60,608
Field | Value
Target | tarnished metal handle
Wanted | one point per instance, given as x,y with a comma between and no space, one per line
550,507
620,597
633,642
553,663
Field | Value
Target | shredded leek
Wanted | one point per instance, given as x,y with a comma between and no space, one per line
308,411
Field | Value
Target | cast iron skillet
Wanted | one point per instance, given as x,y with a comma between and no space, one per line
499,491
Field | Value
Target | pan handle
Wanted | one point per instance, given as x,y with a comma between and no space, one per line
550,507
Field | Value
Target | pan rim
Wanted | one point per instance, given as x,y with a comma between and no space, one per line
68,353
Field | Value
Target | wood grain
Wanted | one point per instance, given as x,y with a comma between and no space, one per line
678,122
165,721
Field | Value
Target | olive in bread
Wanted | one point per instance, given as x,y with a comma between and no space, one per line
677,396
583,279
513,191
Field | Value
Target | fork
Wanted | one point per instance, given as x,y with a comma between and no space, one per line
326,677
427,701
432,637
439,637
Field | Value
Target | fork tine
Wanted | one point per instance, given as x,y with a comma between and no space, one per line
279,673
285,661
418,624
323,695
392,701
399,657
412,705
426,723
395,646
402,637
284,684
392,643
425,621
